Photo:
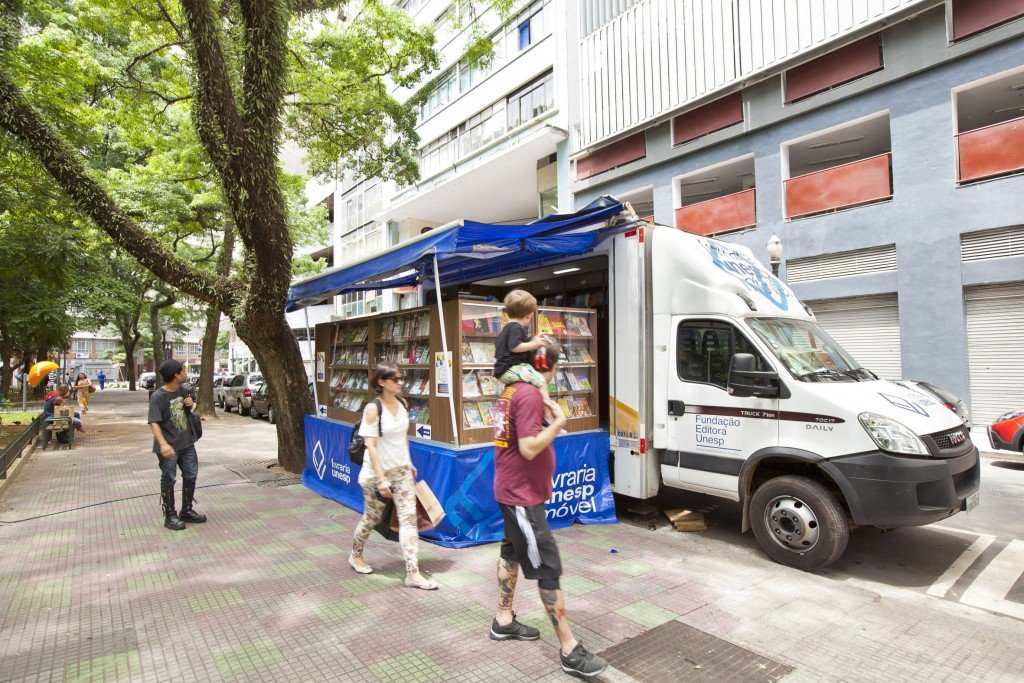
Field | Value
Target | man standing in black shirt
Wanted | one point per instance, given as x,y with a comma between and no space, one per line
174,444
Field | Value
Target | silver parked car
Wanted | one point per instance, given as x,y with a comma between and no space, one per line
238,393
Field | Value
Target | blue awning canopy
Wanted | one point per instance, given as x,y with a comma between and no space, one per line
466,251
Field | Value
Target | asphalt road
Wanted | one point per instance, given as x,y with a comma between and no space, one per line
976,558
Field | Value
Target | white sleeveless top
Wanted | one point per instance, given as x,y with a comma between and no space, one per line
392,447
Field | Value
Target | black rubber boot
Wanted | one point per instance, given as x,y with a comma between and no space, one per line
188,492
171,519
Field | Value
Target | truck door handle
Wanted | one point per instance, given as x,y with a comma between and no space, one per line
676,408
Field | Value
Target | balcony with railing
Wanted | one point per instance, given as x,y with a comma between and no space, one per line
722,214
991,151
842,187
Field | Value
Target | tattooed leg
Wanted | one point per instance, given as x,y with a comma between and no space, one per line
508,574
555,607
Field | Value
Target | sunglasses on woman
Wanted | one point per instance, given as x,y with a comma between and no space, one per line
397,378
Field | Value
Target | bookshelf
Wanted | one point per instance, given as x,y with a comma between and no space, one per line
473,328
348,373
404,338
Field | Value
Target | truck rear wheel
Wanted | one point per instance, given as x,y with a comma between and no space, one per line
798,523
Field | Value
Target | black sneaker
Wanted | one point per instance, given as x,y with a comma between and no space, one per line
513,631
582,663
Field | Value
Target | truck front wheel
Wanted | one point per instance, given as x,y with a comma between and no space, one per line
798,522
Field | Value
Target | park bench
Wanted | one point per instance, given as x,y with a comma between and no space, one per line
62,423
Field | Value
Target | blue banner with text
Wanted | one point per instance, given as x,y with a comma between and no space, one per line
463,481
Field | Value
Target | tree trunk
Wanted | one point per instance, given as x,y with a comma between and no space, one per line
154,326
129,359
6,369
206,371
277,352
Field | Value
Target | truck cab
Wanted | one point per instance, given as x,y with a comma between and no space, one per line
747,398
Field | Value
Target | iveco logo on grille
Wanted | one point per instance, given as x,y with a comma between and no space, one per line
957,438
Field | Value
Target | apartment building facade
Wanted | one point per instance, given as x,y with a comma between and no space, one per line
881,140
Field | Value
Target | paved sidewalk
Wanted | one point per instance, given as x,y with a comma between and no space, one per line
93,588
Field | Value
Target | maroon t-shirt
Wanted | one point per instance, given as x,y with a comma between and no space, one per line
518,481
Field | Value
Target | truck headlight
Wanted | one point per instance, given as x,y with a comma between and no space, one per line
891,436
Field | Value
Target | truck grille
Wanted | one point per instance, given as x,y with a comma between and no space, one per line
951,438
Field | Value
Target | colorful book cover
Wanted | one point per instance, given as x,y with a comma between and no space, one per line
485,407
413,412
483,353
467,352
561,381
487,384
557,324
470,386
574,382
583,326
544,324
587,358
424,416
467,326
471,416
583,407
566,408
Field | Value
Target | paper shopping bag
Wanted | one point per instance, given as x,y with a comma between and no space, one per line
426,499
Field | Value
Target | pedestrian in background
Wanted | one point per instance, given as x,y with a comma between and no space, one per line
174,445
388,472
84,388
102,379
524,463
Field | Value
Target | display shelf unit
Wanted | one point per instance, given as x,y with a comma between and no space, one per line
348,375
472,330
404,338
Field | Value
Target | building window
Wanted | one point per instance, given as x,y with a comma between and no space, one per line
840,66
439,154
81,346
846,166
612,156
530,101
971,17
481,129
718,199
990,127
530,25
722,113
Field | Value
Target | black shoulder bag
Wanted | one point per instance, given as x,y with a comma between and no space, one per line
357,446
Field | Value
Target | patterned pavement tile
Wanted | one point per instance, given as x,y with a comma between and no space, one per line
578,585
459,578
151,581
205,602
243,659
339,610
407,668
646,614
121,666
470,619
323,550
226,546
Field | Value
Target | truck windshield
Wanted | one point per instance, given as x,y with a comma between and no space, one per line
807,351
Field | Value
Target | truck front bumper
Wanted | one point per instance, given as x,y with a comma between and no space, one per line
889,491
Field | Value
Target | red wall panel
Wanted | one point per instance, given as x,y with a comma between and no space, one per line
837,67
855,183
608,157
992,150
973,16
731,212
713,116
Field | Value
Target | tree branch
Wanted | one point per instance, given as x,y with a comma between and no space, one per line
22,121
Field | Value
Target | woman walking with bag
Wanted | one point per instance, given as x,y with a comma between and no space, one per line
84,387
388,472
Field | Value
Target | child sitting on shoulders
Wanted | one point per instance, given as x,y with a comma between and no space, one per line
515,348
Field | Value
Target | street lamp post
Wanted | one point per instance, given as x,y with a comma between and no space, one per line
774,247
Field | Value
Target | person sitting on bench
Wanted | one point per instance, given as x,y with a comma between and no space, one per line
63,391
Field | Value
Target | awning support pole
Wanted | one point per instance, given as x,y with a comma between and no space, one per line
309,343
444,348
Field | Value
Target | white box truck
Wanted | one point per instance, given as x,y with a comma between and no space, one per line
721,382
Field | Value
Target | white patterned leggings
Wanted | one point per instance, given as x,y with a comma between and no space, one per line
404,492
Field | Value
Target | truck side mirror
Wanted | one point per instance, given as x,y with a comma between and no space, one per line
745,381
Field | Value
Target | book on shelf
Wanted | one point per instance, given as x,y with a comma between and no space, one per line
489,385
557,324
574,382
414,410
483,353
467,325
583,327
582,407
561,381
471,416
585,355
467,352
544,323
424,416
584,380
563,403
470,385
336,380
494,322
485,408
